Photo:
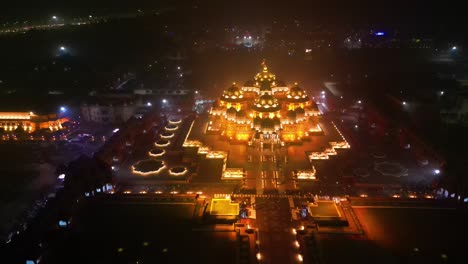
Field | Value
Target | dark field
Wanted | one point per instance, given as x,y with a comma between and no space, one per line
400,235
148,233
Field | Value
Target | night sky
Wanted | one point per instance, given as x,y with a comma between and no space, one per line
417,15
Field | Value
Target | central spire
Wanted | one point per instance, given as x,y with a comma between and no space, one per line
265,68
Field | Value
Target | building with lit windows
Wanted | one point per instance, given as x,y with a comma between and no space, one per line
264,109
29,122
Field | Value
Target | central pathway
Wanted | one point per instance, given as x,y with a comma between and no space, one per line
275,233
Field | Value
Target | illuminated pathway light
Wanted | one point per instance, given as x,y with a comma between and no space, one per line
175,121
167,135
157,152
171,127
148,167
162,143
178,171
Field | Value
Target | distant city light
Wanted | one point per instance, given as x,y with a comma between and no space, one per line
359,101
404,103
454,48
178,67
379,33
164,101
442,92
63,109
90,16
436,171
54,17
149,104
115,130
62,48
196,92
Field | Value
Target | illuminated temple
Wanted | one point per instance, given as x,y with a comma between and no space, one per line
264,109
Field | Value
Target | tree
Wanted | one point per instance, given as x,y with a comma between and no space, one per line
21,133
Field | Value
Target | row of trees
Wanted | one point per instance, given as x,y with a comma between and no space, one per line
83,175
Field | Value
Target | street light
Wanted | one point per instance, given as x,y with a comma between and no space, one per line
437,171
149,104
62,48
164,101
63,109
454,48
54,17
404,103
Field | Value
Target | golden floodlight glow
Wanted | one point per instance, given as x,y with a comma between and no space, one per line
340,145
316,128
330,151
15,115
233,174
192,143
306,174
203,150
318,156
216,155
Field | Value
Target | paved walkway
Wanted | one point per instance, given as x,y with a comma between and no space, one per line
274,227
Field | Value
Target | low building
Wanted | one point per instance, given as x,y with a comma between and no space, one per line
30,122
106,113
456,113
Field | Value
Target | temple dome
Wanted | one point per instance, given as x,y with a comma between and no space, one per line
231,111
266,103
233,93
257,122
267,99
241,113
291,114
249,83
296,93
265,75
268,125
300,111
265,85
280,84
277,123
